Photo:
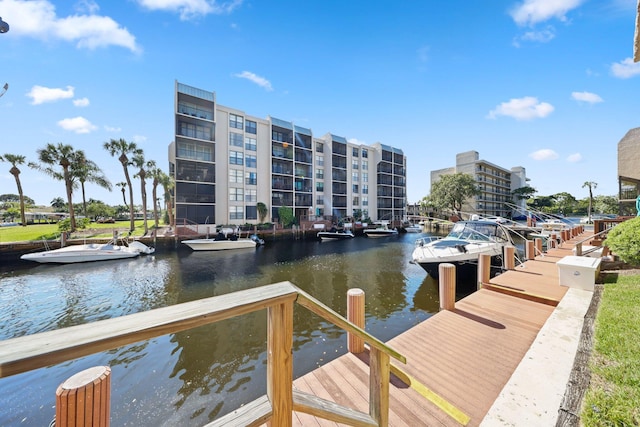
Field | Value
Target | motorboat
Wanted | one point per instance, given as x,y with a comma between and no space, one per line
89,252
381,229
462,247
224,242
413,228
335,234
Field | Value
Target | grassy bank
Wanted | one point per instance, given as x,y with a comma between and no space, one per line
50,231
613,397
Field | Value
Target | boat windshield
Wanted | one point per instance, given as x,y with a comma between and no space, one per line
475,231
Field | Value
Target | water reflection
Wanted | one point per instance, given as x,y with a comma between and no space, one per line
197,375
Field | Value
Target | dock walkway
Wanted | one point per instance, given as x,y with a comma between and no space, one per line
502,357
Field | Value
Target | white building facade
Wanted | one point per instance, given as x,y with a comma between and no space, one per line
225,163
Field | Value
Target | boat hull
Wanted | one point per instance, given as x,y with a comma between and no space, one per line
330,235
82,253
219,245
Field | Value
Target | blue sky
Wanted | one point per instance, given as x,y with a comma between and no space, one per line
544,84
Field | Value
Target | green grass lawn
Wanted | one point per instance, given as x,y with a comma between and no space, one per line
50,231
613,397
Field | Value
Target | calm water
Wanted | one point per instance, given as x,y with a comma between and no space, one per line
193,377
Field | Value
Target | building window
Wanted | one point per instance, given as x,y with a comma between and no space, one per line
354,164
356,200
319,147
250,143
319,173
251,212
365,177
235,139
251,196
251,178
355,177
236,212
365,153
319,160
236,158
365,165
365,189
251,161
355,188
365,201
236,194
320,186
354,152
320,200
236,121
251,127
235,176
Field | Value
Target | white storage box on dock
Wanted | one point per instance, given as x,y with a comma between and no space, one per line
578,272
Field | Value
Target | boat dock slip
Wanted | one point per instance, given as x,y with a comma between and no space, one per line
501,357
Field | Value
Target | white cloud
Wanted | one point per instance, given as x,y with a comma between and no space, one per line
191,8
41,94
625,68
77,125
112,128
544,154
531,12
260,81
574,158
356,141
589,97
139,138
526,108
87,6
38,19
81,102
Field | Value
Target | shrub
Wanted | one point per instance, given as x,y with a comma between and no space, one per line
624,241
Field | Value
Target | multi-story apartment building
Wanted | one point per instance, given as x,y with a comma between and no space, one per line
628,172
495,183
225,163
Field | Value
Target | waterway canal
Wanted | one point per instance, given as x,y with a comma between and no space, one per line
193,377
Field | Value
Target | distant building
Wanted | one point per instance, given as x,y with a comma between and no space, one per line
629,172
496,184
225,162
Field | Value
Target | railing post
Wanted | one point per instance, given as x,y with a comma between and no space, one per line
509,257
484,269
538,244
84,400
552,241
355,315
579,249
379,386
280,364
447,286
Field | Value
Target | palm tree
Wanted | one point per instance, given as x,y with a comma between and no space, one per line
64,156
122,147
15,160
154,172
123,186
88,171
262,211
591,186
139,162
167,183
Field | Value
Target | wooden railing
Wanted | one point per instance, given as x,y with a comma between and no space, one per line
31,352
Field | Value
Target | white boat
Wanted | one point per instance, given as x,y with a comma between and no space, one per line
413,228
462,247
89,252
382,229
335,234
222,243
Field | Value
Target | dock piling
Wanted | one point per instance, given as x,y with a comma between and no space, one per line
355,315
484,269
84,399
447,286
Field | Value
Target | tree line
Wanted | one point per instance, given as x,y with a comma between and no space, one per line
449,193
71,166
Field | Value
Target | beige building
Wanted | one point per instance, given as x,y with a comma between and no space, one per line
629,171
226,162
495,183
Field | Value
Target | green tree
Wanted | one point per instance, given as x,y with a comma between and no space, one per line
98,209
139,162
623,241
58,204
287,219
154,173
605,204
167,183
450,191
121,148
63,156
262,211
591,186
123,187
86,170
525,192
565,203
16,160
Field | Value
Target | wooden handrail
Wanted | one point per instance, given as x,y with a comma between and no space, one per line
26,353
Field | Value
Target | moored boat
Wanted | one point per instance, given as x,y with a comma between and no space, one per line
89,252
381,229
224,242
335,234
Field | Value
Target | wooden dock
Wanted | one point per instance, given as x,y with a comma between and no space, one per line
458,361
